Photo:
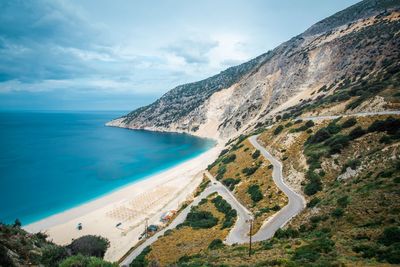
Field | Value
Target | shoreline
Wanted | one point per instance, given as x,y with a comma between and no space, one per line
149,197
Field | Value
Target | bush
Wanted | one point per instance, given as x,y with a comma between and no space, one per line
343,201
385,140
250,170
5,259
216,243
349,123
287,233
229,159
278,130
312,252
390,236
356,133
337,143
200,219
223,206
390,125
85,261
90,245
304,127
53,255
231,183
255,192
320,136
256,154
140,260
353,164
313,202
220,172
337,213
314,183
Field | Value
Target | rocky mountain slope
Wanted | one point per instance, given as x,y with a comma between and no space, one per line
347,48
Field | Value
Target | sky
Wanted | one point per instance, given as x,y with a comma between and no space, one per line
122,54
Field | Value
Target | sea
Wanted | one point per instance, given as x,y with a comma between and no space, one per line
53,161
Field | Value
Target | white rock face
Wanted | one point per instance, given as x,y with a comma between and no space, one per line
235,100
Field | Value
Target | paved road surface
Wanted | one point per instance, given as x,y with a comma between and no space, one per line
361,114
238,233
296,201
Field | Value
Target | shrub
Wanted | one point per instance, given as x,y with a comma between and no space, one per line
320,136
220,172
385,140
287,233
200,219
353,164
356,133
85,261
337,143
312,252
256,154
314,183
223,206
231,183
53,255
229,159
343,201
349,123
390,125
90,245
313,202
223,152
338,212
390,236
250,170
216,243
255,192
278,130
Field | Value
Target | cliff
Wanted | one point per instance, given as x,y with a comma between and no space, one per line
349,47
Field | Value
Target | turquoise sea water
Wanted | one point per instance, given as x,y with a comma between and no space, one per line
50,162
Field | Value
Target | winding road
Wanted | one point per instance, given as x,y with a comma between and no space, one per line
295,204
239,232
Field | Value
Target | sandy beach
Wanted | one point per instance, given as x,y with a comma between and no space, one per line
130,206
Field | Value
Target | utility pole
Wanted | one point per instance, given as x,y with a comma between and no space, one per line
250,221
146,226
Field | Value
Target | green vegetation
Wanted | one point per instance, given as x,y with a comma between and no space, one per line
215,244
198,219
250,170
19,248
349,123
304,127
255,192
256,154
90,245
231,183
224,207
141,260
278,130
85,261
228,159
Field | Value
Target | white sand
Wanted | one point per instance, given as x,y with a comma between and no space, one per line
129,205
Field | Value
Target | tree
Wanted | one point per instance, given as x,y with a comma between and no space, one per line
17,223
85,261
278,130
348,123
53,255
90,245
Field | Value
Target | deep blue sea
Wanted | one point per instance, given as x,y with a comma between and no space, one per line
50,162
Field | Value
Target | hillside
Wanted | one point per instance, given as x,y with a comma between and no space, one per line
349,46
348,169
